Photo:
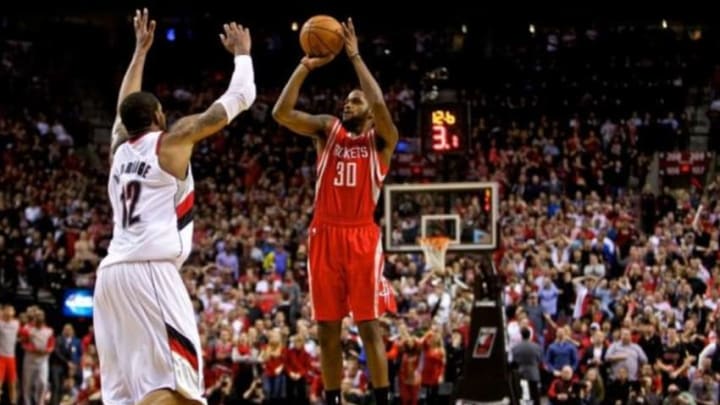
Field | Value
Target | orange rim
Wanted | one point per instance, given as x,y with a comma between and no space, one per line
435,242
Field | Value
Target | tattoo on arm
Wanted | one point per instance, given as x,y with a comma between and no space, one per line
195,128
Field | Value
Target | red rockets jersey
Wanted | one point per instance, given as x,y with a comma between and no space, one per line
350,177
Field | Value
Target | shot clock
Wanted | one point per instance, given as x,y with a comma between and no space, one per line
444,127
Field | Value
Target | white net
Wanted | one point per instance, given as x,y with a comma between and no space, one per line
434,249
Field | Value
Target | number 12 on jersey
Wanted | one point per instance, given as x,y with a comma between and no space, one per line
129,198
345,174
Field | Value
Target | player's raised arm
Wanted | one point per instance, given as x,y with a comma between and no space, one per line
186,132
239,96
384,126
132,81
298,121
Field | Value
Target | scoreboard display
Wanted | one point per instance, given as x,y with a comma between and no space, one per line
684,163
445,127
683,169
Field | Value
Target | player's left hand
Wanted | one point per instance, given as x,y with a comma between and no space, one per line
314,62
351,42
144,31
236,39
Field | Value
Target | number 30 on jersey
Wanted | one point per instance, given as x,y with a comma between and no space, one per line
345,174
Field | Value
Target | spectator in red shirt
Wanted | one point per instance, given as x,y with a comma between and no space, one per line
88,395
9,331
273,356
433,369
316,384
223,348
38,340
409,376
561,389
357,376
88,339
297,367
355,382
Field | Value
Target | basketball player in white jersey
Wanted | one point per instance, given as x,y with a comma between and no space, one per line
145,328
9,329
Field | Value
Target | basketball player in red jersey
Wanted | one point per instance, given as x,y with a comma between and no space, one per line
345,260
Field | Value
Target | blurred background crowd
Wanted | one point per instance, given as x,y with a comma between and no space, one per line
610,267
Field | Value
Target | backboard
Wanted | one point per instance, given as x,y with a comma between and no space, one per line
467,213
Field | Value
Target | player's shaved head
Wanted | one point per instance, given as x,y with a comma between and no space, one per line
138,112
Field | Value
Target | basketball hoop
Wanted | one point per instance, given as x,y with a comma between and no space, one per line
434,248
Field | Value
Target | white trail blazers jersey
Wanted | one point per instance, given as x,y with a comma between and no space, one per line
152,210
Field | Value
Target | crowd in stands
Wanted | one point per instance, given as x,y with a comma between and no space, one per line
614,287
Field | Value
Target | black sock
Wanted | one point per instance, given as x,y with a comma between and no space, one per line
381,396
332,397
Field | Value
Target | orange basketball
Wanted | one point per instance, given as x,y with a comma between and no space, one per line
321,35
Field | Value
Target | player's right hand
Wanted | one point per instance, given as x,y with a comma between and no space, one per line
144,31
314,62
236,39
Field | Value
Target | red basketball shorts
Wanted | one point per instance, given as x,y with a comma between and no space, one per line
345,265
8,370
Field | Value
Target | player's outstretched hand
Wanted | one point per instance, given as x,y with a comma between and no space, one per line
351,41
236,39
314,62
144,31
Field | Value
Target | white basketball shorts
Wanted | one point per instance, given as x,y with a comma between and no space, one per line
145,333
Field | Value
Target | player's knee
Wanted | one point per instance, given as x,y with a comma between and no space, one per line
370,332
329,334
